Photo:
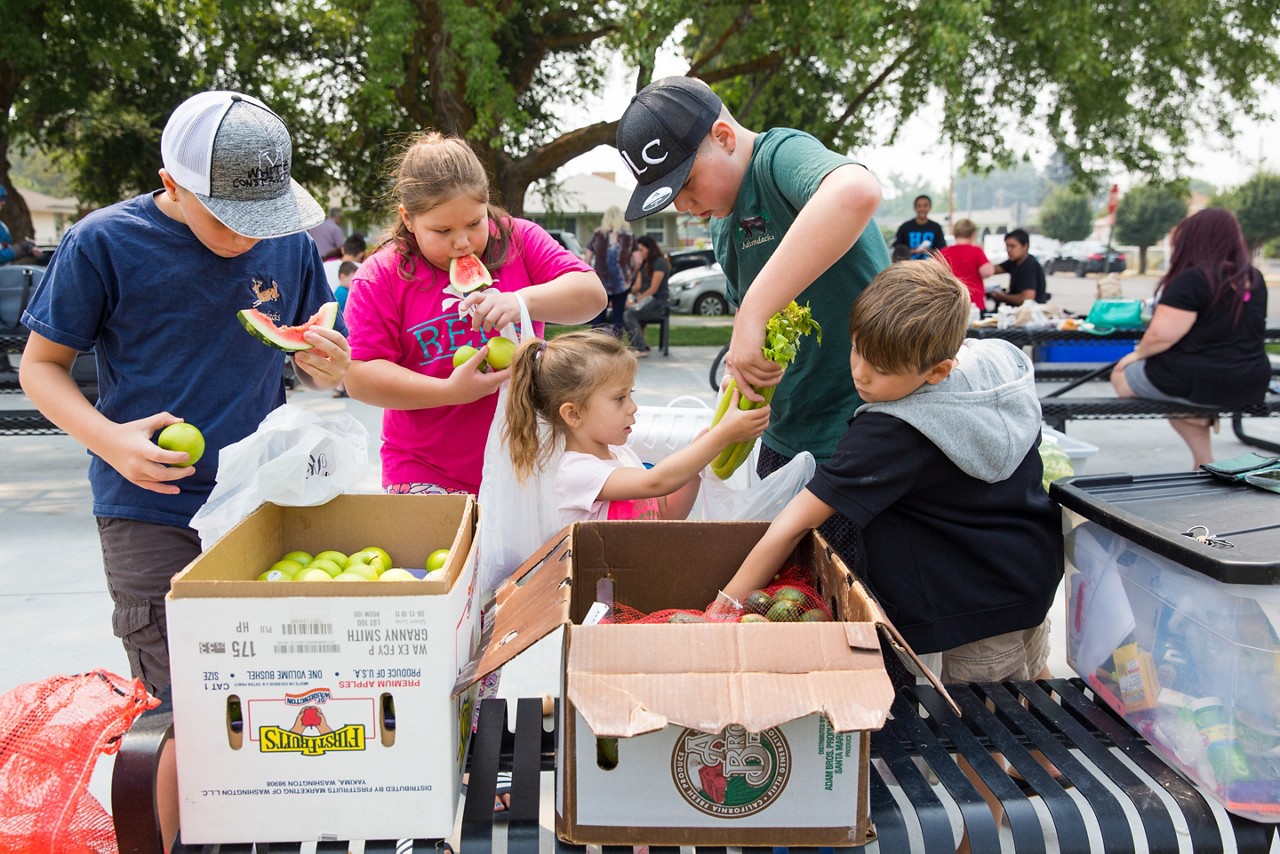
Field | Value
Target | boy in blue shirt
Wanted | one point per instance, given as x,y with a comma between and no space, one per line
153,286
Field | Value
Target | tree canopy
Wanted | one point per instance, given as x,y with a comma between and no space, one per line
1256,203
1066,215
1100,80
1145,215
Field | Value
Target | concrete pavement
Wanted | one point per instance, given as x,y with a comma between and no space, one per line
53,601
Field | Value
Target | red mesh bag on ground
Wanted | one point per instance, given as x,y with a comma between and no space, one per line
790,598
51,734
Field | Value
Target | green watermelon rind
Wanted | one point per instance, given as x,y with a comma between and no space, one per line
478,283
261,327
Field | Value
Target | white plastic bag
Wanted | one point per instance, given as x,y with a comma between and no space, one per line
761,500
295,458
515,518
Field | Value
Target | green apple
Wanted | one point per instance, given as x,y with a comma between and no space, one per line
387,563
397,574
303,558
337,557
182,437
500,352
437,559
364,570
288,567
463,354
352,576
371,559
328,566
275,575
314,575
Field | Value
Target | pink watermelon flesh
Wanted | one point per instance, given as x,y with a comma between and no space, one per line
468,274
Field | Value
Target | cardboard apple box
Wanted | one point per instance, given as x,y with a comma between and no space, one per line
727,734
321,710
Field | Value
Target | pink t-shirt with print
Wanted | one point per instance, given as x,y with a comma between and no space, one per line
580,479
414,323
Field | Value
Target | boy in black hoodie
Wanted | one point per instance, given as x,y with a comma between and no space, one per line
940,473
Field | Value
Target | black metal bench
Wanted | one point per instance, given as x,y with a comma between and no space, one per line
1059,717
1057,411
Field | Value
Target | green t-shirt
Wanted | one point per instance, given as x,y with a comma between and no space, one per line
816,398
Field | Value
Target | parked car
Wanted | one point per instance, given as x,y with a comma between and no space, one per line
700,290
687,259
1083,257
569,241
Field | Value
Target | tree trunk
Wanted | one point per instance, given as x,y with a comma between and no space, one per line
15,214
1142,260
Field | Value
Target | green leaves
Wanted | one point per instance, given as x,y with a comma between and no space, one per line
1256,203
1065,215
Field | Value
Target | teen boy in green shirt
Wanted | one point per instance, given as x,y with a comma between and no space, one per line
789,220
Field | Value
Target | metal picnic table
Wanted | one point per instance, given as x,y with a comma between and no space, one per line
1123,797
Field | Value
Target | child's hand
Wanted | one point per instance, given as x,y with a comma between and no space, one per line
738,425
327,361
490,309
467,383
128,449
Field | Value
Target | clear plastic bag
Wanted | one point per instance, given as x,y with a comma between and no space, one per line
761,500
515,518
295,458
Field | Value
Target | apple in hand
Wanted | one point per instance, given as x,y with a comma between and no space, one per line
185,438
501,350
463,354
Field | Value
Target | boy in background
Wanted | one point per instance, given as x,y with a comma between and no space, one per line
1026,276
920,236
153,286
969,262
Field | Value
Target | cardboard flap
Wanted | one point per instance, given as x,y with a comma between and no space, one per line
527,607
900,645
630,679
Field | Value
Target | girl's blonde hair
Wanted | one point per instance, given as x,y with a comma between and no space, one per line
432,170
547,375
613,219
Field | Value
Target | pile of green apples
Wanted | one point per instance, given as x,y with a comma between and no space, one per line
786,605
367,564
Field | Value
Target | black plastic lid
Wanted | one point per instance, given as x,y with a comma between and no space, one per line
1154,511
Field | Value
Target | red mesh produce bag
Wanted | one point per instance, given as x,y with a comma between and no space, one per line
51,734
791,597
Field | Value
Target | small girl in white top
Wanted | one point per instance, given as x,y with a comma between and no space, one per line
580,383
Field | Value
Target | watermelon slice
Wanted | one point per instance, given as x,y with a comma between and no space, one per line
468,274
287,338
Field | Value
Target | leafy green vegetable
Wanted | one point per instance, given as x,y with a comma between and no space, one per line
782,336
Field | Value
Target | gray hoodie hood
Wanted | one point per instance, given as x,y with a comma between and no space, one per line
984,416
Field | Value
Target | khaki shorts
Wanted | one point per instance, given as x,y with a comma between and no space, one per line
1015,655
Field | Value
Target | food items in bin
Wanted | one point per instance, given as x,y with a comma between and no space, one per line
367,564
792,597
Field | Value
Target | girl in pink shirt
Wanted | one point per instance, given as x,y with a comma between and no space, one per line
407,321
580,384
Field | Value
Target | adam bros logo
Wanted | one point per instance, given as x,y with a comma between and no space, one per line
733,774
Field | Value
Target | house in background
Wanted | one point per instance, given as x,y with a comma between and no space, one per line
578,203
50,217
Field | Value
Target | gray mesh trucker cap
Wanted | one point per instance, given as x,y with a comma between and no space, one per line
659,135
235,155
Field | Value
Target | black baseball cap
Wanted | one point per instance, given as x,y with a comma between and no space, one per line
659,135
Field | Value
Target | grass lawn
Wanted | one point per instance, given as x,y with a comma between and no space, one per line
681,336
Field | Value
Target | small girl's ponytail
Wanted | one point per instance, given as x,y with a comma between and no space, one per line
545,375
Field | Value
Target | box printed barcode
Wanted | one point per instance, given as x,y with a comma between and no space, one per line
306,627
294,648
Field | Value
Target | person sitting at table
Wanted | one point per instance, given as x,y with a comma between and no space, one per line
1026,276
1205,343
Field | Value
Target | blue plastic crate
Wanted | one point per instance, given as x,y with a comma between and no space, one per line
1108,352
